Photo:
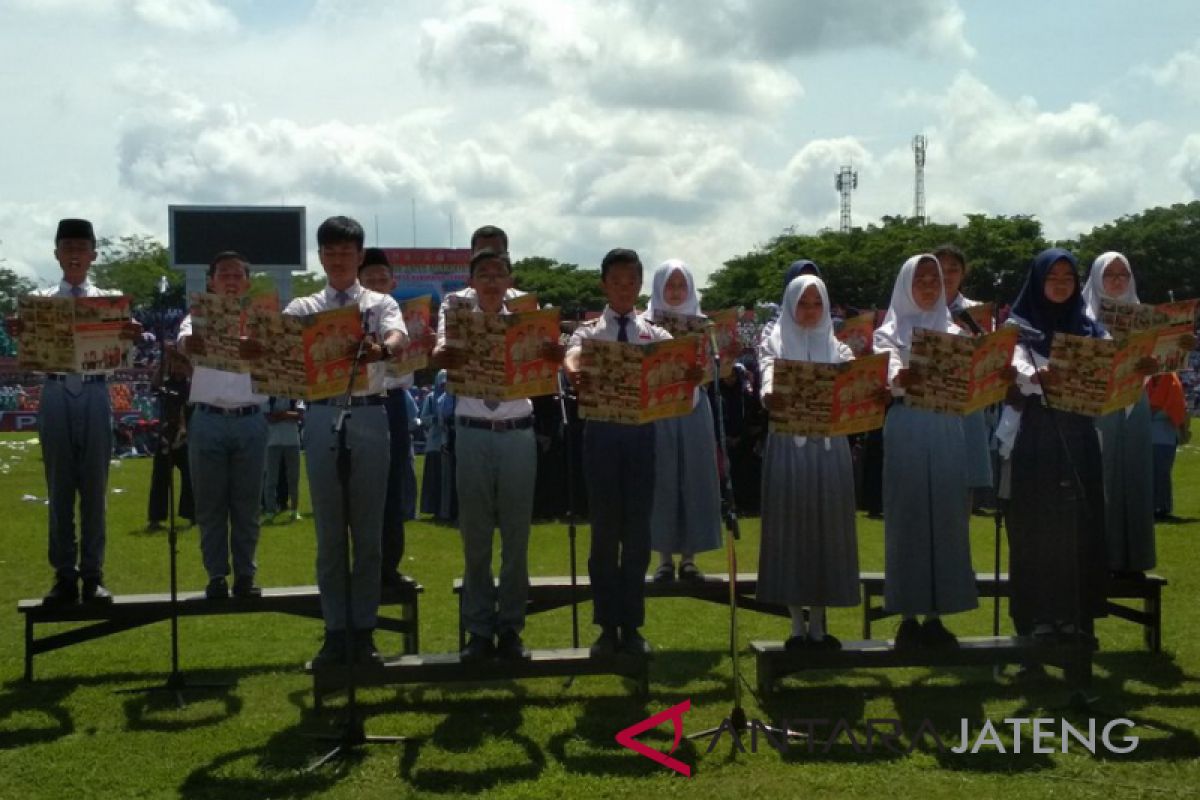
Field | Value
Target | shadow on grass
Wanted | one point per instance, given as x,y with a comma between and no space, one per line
157,709
466,730
273,770
25,709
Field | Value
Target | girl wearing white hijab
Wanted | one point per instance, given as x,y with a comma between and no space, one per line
1126,442
686,516
809,550
927,546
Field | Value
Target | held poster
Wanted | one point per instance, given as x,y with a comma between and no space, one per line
503,353
857,333
307,357
1172,322
960,374
634,384
721,325
829,399
1097,376
72,334
417,314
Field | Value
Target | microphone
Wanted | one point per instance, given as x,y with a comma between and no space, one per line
1028,332
963,317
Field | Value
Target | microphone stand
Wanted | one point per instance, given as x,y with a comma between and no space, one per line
353,733
737,715
568,446
176,683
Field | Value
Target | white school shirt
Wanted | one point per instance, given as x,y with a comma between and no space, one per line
606,327
216,387
382,317
474,406
89,289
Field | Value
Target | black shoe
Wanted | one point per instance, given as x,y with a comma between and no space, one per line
665,573
510,647
634,643
935,634
478,648
64,592
795,644
826,642
365,651
333,649
908,635
243,586
94,591
688,571
607,644
217,589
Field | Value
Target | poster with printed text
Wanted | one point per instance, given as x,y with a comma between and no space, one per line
307,357
1098,376
417,314
69,334
222,323
720,327
634,384
503,353
857,333
960,374
829,399
1173,323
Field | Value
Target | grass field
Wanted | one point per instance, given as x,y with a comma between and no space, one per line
69,734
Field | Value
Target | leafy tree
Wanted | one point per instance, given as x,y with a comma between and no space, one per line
565,286
135,265
12,286
1162,245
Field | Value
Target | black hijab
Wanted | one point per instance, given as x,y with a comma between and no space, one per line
1033,307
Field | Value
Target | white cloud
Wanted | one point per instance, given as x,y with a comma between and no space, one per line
1180,72
1187,163
177,16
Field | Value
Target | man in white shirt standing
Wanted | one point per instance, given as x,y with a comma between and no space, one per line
227,450
496,473
340,249
75,431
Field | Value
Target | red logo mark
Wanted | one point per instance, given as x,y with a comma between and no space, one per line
675,714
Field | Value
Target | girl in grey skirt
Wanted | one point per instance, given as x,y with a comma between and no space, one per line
809,551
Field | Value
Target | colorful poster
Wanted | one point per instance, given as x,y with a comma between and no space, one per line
307,357
417,313
1098,376
830,399
857,333
72,334
1173,322
635,384
222,322
435,271
723,325
522,303
960,374
503,353
984,316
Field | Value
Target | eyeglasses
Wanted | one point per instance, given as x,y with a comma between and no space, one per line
492,277
1118,277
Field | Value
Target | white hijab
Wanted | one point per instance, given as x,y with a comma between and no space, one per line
904,315
690,306
1093,290
795,343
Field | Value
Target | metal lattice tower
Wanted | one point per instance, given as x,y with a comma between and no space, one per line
918,146
846,182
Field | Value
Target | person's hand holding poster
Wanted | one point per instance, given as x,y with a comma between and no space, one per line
634,384
1095,377
814,399
960,374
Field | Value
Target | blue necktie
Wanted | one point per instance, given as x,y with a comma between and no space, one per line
77,291
342,299
623,332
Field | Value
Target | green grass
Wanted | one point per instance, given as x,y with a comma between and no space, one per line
69,734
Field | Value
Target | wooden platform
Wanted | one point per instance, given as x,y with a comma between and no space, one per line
1148,590
130,611
549,593
774,662
448,668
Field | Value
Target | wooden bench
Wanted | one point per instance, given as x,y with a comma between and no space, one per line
126,612
773,662
1148,590
447,668
549,593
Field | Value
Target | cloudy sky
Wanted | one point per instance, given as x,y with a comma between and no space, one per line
683,128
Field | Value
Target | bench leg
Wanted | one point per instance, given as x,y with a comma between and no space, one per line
462,632
764,676
1153,608
866,635
412,642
